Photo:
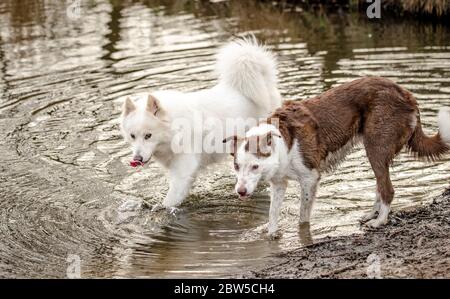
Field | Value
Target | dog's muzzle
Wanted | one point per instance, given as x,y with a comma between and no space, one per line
138,161
242,192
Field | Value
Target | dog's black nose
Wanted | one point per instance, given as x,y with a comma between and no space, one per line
138,158
242,191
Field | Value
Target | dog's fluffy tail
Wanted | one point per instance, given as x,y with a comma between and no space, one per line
250,69
432,147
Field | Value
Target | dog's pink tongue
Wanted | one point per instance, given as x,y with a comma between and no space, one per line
136,163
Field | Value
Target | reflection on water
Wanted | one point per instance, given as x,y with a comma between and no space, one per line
65,187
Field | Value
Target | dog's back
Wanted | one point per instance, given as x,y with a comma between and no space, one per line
372,108
375,110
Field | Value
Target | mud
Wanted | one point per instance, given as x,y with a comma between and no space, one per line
414,244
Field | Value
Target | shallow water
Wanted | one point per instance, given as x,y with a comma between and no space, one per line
65,187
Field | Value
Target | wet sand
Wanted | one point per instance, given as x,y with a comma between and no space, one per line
414,244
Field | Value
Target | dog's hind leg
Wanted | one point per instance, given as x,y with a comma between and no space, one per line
380,153
386,192
376,208
183,171
386,131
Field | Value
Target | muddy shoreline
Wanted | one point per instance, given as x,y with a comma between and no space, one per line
414,244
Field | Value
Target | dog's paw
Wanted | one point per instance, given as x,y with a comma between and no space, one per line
170,210
368,216
157,207
262,229
375,223
173,210
276,235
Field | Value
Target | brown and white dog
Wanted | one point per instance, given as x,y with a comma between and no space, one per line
313,135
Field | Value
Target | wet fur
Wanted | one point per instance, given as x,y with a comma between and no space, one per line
246,89
319,132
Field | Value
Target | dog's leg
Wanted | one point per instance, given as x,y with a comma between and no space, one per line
376,208
278,189
182,172
382,218
380,165
386,131
386,190
309,185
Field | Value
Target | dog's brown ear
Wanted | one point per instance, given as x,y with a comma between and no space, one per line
128,107
234,140
266,139
261,145
153,105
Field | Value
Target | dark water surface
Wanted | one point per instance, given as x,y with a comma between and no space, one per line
65,187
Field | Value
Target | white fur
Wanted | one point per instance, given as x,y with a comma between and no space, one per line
309,180
262,129
267,167
282,165
376,207
246,89
253,71
444,124
382,218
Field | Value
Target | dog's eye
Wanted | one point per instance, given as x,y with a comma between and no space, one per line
132,136
236,166
254,167
148,136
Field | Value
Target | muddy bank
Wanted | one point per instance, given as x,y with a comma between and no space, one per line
415,244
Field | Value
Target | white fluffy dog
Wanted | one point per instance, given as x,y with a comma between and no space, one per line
247,89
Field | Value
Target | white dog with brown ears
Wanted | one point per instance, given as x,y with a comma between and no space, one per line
313,135
247,89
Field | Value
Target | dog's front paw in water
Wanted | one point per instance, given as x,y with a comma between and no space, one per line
157,207
171,210
262,229
276,235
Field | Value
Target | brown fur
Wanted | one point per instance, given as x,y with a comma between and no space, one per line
259,145
431,148
377,109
